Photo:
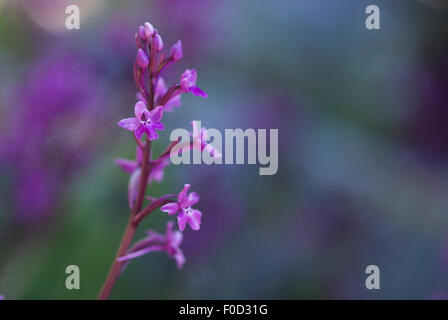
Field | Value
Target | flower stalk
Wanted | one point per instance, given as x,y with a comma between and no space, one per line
154,98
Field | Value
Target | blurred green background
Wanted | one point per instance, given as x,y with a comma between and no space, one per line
363,148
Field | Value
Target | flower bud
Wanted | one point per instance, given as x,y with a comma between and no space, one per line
141,33
158,43
149,30
142,59
176,51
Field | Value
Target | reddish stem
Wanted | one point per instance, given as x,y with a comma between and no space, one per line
153,206
115,269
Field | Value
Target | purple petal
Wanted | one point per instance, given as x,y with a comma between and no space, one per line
194,219
160,89
176,239
198,92
181,196
130,124
180,259
140,131
170,208
172,104
140,252
140,109
157,125
156,114
153,238
157,171
127,165
182,220
157,174
190,200
151,132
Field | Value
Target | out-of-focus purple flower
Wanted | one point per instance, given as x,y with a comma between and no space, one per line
199,136
133,167
188,83
169,243
144,121
2,297
158,169
183,208
161,89
142,59
130,166
176,51
55,104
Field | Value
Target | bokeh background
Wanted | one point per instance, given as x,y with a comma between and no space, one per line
363,148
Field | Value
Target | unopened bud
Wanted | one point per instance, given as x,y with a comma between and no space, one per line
141,33
158,43
149,30
142,59
176,51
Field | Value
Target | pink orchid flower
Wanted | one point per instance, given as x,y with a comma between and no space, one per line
183,206
188,83
144,121
169,243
